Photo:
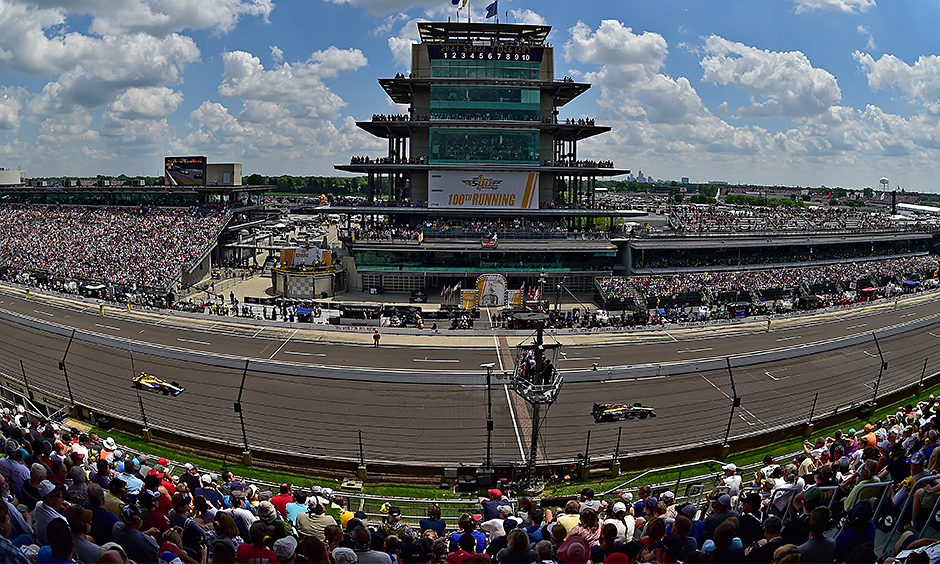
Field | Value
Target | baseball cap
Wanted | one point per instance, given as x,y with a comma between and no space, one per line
343,555
671,544
627,497
616,558
917,458
812,494
394,511
162,462
495,492
413,552
724,500
689,510
730,466
619,507
46,487
668,494
505,509
189,466
207,478
130,511
285,548
752,499
575,550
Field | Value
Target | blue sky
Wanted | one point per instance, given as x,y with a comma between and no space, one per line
787,92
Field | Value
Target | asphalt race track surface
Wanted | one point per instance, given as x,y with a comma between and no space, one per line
421,400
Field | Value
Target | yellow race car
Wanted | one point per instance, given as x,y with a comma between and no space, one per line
150,382
621,412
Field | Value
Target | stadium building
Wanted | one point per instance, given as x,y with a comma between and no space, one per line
482,171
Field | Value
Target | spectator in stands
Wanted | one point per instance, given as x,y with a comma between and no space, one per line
139,546
362,541
433,521
724,549
48,509
571,516
393,524
586,499
624,523
281,528
256,551
721,506
314,521
608,543
9,551
281,500
491,504
113,496
819,547
223,528
867,475
12,466
190,477
29,495
59,546
518,549
750,529
858,530
669,550
731,479
210,491
575,550
467,524
764,551
588,527
786,554
285,549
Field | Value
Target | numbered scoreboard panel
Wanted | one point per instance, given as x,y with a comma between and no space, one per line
468,52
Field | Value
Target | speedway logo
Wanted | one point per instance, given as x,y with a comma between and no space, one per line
482,183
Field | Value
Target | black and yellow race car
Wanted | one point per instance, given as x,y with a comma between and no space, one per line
150,382
621,412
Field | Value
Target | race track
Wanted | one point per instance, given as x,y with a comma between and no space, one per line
421,400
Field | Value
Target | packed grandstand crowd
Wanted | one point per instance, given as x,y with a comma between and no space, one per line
692,219
855,496
846,274
117,245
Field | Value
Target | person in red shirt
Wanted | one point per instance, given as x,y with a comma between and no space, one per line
281,500
257,551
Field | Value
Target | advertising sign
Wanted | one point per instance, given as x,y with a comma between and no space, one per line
491,290
184,171
483,190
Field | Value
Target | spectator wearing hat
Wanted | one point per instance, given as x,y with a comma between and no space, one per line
155,515
767,470
750,529
571,516
114,496
343,555
575,550
108,446
48,509
586,499
858,530
491,504
139,546
256,551
819,547
668,550
181,519
284,496
268,515
12,466
906,486
315,520
668,499
621,520
763,552
731,479
210,491
721,507
127,471
190,477
895,466
286,549
868,474
393,525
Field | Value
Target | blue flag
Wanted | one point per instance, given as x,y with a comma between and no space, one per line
492,9
455,2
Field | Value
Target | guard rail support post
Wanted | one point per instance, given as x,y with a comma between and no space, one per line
361,472
920,383
65,371
809,423
585,468
615,463
246,454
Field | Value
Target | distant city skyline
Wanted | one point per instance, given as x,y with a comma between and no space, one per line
784,92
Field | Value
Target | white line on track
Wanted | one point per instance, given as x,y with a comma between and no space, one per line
932,335
695,350
162,320
772,377
432,360
856,326
304,354
789,338
107,327
582,358
192,341
869,354
499,357
670,335
729,397
283,344
259,331
515,424
908,315
44,313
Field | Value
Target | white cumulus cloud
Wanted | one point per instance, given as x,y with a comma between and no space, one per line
845,6
919,82
787,79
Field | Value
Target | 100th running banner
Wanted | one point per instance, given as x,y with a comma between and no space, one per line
483,190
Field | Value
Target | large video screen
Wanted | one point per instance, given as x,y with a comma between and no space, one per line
483,190
184,171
